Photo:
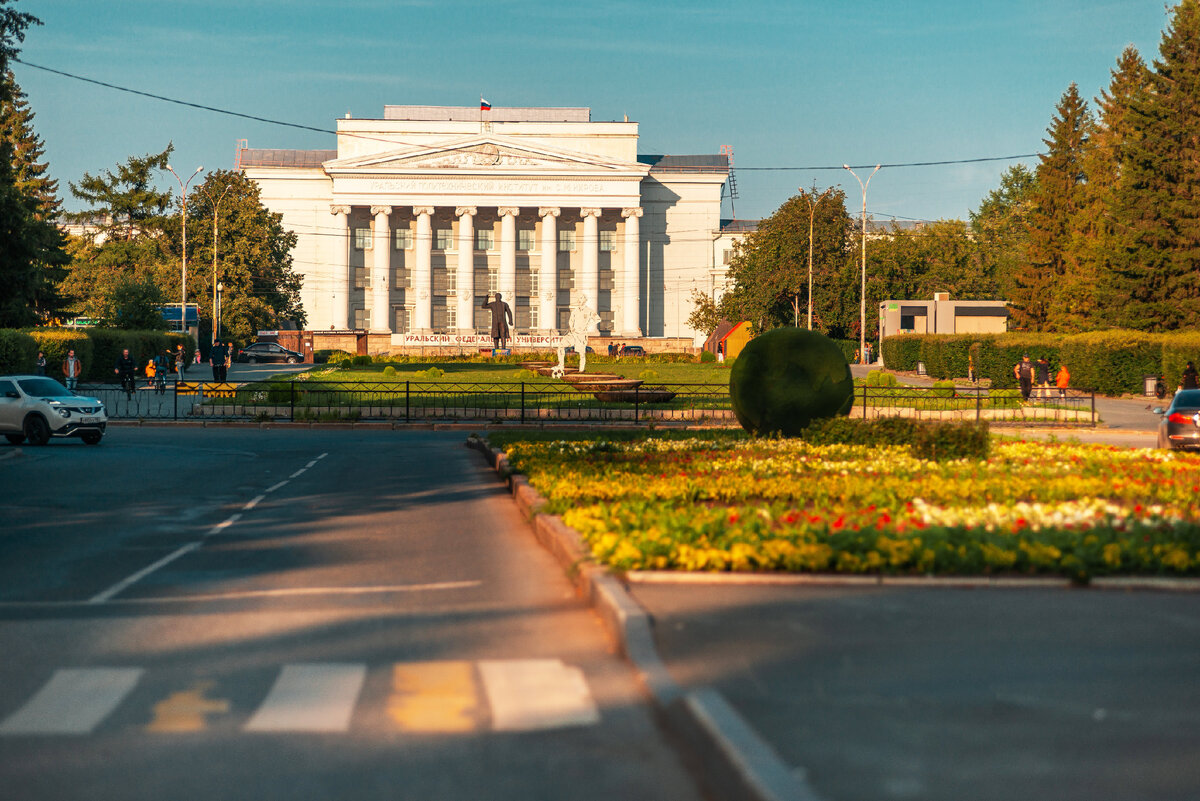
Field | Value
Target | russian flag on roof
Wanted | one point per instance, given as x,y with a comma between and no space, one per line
484,105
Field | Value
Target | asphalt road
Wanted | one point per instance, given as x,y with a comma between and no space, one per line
874,694
256,614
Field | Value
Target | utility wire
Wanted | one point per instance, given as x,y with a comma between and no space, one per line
269,121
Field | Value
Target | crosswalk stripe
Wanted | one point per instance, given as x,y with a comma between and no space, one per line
531,694
434,697
312,697
74,701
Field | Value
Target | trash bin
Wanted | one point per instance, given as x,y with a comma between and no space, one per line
921,369
1150,382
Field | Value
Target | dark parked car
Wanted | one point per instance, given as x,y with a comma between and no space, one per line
1179,427
268,352
633,350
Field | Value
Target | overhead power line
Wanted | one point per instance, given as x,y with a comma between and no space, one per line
315,129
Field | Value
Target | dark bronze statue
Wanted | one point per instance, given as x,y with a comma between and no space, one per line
502,318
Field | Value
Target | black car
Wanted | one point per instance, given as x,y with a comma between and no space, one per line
1179,427
633,350
267,352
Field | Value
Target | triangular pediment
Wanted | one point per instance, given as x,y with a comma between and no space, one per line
481,153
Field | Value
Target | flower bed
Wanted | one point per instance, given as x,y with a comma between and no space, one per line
727,502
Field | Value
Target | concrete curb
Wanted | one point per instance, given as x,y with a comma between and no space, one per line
735,763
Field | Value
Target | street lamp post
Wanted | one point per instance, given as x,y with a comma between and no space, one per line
183,185
812,210
216,206
220,288
862,314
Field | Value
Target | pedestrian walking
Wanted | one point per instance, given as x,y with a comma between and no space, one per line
40,363
1190,378
216,358
1023,371
180,362
125,368
1062,380
162,366
1043,376
72,368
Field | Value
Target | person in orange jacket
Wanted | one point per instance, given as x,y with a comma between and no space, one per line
1062,380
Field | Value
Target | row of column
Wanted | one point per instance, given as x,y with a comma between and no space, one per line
378,294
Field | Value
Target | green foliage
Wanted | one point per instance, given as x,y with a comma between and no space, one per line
942,389
389,371
788,377
926,439
107,344
1177,350
18,351
708,356
1112,362
55,342
879,378
902,352
136,306
361,361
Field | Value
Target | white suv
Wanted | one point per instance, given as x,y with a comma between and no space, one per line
36,408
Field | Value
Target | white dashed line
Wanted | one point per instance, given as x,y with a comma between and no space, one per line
253,502
269,490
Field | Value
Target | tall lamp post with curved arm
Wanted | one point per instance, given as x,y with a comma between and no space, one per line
862,314
216,206
812,210
183,185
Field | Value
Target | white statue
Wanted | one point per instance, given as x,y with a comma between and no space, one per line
582,317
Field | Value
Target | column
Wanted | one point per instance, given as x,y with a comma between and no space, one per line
508,254
339,290
590,266
466,269
548,272
422,283
631,275
381,270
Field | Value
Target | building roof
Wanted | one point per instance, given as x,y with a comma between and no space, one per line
701,163
495,114
739,226
248,157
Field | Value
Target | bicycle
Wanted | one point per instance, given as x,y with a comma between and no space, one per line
128,383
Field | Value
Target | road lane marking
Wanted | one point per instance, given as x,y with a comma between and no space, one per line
532,694
312,698
253,502
271,489
74,701
233,596
187,710
298,473
438,697
129,581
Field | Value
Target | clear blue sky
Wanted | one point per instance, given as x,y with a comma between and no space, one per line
788,83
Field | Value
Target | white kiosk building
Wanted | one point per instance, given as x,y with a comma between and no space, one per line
416,217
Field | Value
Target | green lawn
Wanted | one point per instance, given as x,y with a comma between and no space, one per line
459,372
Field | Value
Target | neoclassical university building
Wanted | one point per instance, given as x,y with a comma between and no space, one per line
416,217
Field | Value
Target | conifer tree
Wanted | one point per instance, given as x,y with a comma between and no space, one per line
1158,199
1050,293
31,179
1101,232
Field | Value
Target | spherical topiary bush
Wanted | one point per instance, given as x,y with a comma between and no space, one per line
788,377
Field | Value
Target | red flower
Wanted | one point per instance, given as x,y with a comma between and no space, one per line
840,522
733,517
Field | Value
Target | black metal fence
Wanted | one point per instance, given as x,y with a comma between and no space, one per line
298,400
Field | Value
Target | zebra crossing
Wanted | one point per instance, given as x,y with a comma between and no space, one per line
512,695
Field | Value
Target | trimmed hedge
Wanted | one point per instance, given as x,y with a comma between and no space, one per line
18,351
925,439
1111,362
97,348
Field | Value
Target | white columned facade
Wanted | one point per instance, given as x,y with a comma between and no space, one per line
381,270
548,271
422,283
465,283
631,275
590,262
339,299
508,254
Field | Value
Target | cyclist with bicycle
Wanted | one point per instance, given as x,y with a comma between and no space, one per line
125,368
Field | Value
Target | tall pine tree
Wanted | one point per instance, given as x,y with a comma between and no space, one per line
1050,293
1158,200
31,179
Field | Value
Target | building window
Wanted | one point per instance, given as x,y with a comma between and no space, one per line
493,279
403,315
360,277
533,315
566,241
566,280
525,240
444,239
608,241
485,239
362,238
727,256
362,318
452,280
451,316
606,321
535,282
403,239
